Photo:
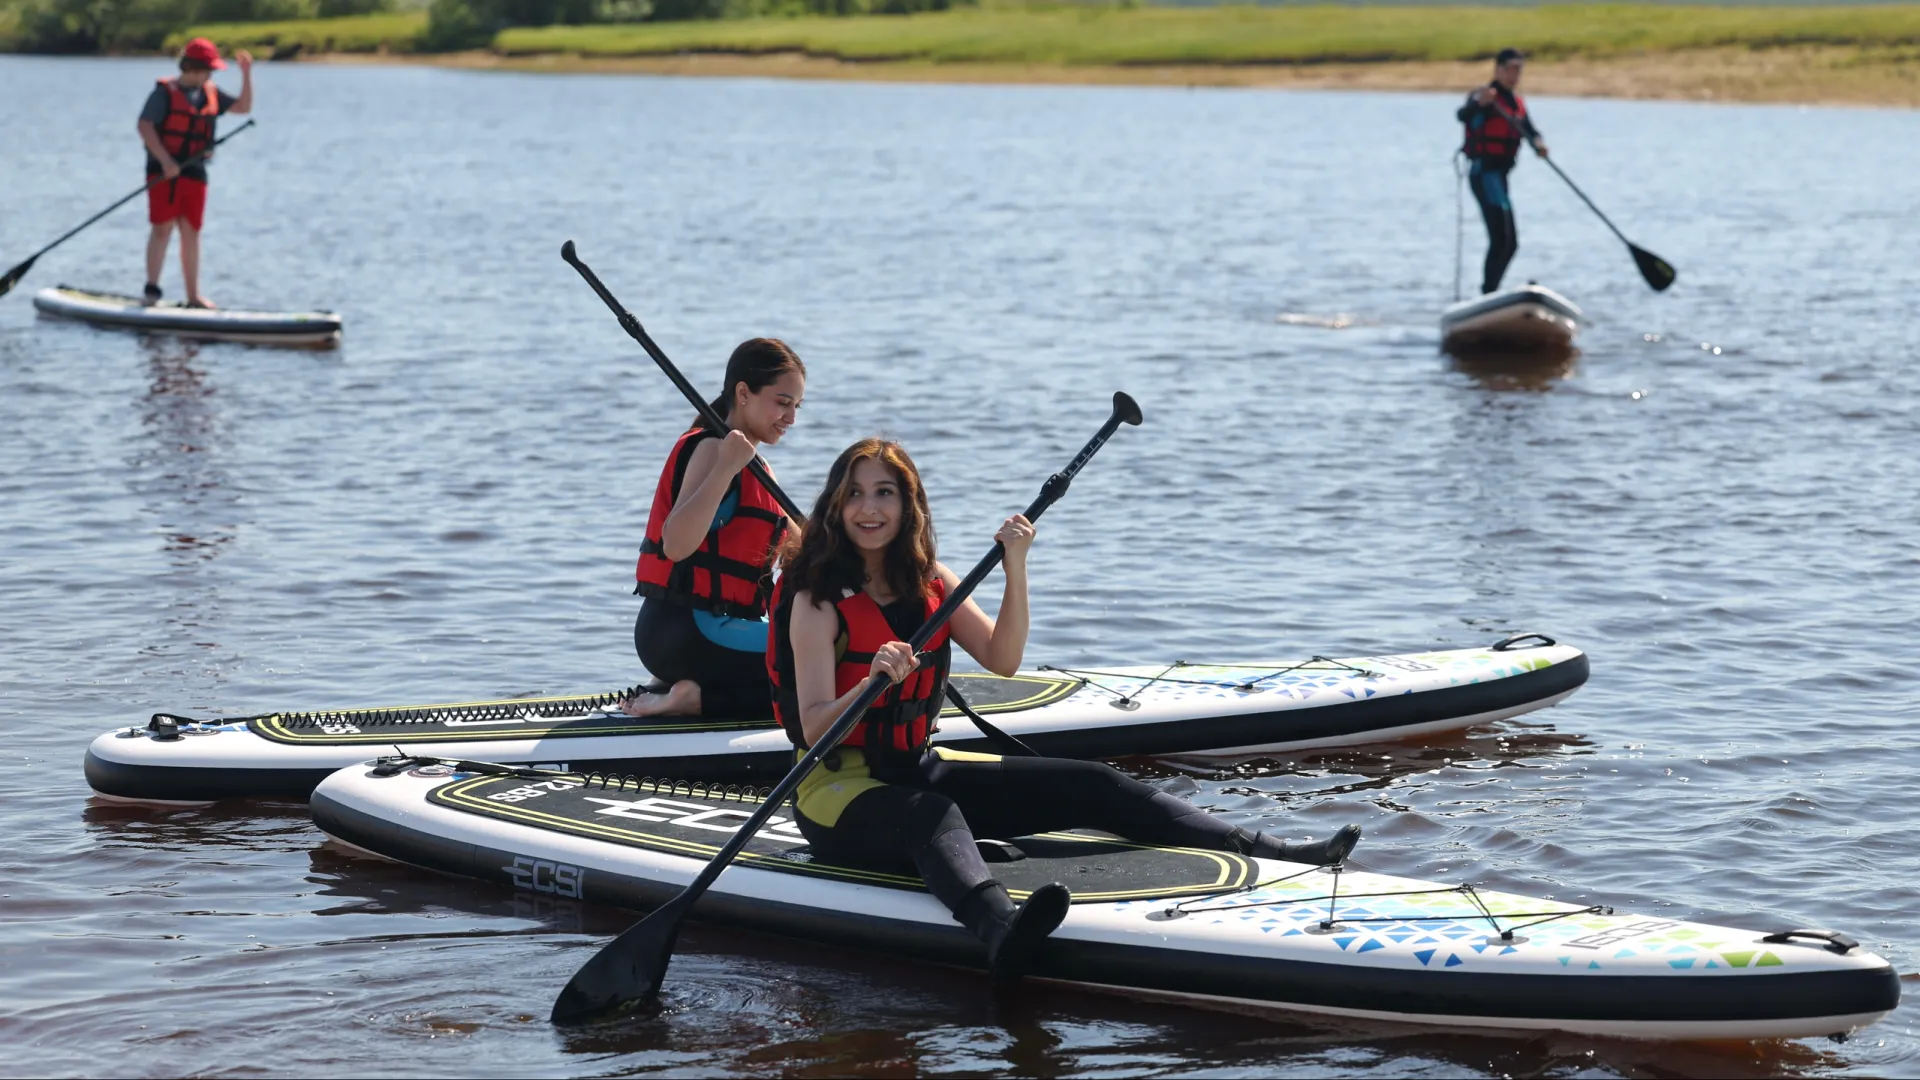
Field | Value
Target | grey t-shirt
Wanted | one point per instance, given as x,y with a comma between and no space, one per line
155,113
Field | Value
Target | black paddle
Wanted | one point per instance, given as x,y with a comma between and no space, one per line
632,966
14,275
712,419
1658,272
1006,742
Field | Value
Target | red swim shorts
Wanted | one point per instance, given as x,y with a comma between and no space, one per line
177,198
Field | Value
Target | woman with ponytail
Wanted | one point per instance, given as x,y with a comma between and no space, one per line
706,565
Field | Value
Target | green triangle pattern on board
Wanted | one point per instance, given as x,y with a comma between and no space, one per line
1768,960
1736,959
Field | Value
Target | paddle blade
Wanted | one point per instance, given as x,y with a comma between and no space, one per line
625,972
14,275
1658,272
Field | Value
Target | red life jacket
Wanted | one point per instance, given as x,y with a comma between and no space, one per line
187,130
1497,139
903,719
730,573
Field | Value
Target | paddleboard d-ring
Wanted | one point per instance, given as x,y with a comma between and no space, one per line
1167,914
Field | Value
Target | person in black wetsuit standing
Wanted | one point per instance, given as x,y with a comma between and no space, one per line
1497,122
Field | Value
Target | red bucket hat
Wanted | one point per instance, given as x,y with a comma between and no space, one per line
204,51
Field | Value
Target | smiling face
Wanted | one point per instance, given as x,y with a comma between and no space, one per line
872,512
764,415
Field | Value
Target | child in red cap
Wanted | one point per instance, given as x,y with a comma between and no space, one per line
176,124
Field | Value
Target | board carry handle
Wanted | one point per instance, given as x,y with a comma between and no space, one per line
1513,642
1836,942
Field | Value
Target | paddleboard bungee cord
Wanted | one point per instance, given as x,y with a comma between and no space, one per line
1243,685
472,712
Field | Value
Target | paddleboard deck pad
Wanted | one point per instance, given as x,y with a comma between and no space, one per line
1203,926
1194,712
1528,318
303,328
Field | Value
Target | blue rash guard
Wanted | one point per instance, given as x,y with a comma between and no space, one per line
740,635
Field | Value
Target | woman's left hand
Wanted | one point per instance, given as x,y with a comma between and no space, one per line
1016,535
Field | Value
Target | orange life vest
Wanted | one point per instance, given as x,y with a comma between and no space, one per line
187,130
730,573
1496,139
901,720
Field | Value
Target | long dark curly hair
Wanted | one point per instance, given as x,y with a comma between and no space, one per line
825,563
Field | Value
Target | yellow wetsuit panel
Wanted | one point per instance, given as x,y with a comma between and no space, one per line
824,794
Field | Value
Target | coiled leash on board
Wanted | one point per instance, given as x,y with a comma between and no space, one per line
1459,219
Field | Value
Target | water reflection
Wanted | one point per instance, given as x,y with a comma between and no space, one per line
181,472
249,825
1508,371
187,495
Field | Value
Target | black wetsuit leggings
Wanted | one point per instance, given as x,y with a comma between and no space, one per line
929,811
733,683
1503,234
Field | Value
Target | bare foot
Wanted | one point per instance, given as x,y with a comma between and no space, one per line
202,302
682,699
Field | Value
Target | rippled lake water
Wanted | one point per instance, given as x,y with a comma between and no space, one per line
1717,500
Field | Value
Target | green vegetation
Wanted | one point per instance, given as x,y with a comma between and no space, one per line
393,31
1091,33
91,26
1248,35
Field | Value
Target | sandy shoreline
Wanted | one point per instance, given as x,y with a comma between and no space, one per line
1810,75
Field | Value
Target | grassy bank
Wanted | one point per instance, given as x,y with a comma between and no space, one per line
1776,53
389,32
1244,35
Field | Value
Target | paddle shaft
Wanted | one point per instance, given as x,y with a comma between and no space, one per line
639,333
632,326
632,965
129,197
1051,491
1516,123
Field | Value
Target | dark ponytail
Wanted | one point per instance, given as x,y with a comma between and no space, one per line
759,363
